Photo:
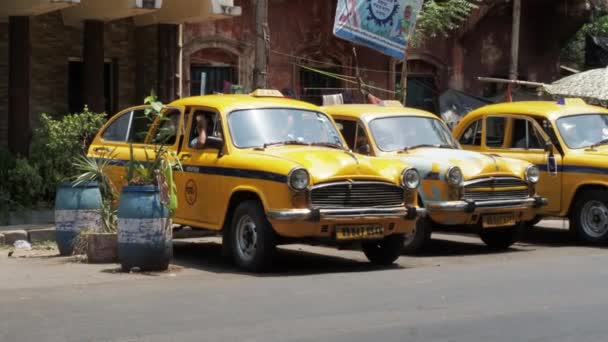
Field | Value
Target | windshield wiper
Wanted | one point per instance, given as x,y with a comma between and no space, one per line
286,142
407,148
328,144
601,142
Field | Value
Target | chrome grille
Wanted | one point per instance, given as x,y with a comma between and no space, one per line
477,190
356,195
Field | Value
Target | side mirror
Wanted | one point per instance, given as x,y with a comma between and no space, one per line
549,147
364,149
214,143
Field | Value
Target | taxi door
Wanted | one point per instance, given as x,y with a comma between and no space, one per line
199,185
521,137
132,128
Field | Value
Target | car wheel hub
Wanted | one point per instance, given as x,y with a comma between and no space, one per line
594,219
246,237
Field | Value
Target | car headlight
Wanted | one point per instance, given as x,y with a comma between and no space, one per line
298,179
532,174
454,176
410,178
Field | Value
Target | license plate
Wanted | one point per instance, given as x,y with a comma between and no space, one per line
498,220
359,232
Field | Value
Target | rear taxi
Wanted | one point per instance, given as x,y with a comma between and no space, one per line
567,140
491,195
272,171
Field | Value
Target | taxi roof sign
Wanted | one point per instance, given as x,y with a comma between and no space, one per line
266,93
571,101
390,103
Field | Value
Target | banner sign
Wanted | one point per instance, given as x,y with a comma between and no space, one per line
383,25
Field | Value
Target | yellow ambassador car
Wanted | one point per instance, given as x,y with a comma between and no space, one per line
493,196
271,171
567,139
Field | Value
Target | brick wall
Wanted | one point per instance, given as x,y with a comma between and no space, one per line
119,46
53,44
3,84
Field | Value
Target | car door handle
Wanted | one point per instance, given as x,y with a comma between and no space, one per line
185,156
101,149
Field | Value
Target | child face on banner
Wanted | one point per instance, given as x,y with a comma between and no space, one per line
407,13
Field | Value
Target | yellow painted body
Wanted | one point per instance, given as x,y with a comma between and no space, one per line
576,168
433,163
211,180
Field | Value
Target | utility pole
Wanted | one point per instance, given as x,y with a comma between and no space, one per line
513,73
403,82
262,44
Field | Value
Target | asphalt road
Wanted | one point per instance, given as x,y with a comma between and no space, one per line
545,289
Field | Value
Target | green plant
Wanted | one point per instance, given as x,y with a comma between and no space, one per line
158,166
25,184
574,51
94,170
441,17
7,163
57,141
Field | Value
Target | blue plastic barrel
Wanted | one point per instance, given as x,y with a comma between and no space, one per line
77,207
144,230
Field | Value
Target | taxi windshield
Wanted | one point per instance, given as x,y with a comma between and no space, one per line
401,133
282,126
584,130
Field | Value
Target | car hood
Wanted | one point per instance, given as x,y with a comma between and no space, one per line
472,164
330,164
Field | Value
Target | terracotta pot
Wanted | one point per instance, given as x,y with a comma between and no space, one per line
102,248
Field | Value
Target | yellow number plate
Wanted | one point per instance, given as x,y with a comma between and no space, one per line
359,232
499,220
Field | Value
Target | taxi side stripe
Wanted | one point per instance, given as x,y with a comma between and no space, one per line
223,171
232,172
576,169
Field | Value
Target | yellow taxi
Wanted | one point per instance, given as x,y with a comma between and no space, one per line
566,139
271,171
491,195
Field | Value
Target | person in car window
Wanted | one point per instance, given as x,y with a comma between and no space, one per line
201,132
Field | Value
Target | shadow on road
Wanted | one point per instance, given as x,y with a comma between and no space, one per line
207,256
551,237
441,247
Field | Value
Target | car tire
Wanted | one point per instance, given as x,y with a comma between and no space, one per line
417,241
533,222
589,216
252,239
502,238
384,252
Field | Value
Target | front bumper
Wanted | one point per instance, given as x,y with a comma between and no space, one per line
407,213
486,206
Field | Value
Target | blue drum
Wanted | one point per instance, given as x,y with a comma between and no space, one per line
144,230
77,208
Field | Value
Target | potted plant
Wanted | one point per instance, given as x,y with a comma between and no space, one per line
99,241
147,203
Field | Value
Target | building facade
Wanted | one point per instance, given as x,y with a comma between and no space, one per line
57,56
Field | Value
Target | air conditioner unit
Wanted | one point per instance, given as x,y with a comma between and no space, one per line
225,7
148,4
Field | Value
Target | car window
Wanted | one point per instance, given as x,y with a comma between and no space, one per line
362,142
398,133
260,127
584,130
472,135
166,133
118,129
524,135
348,128
134,126
495,131
211,122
